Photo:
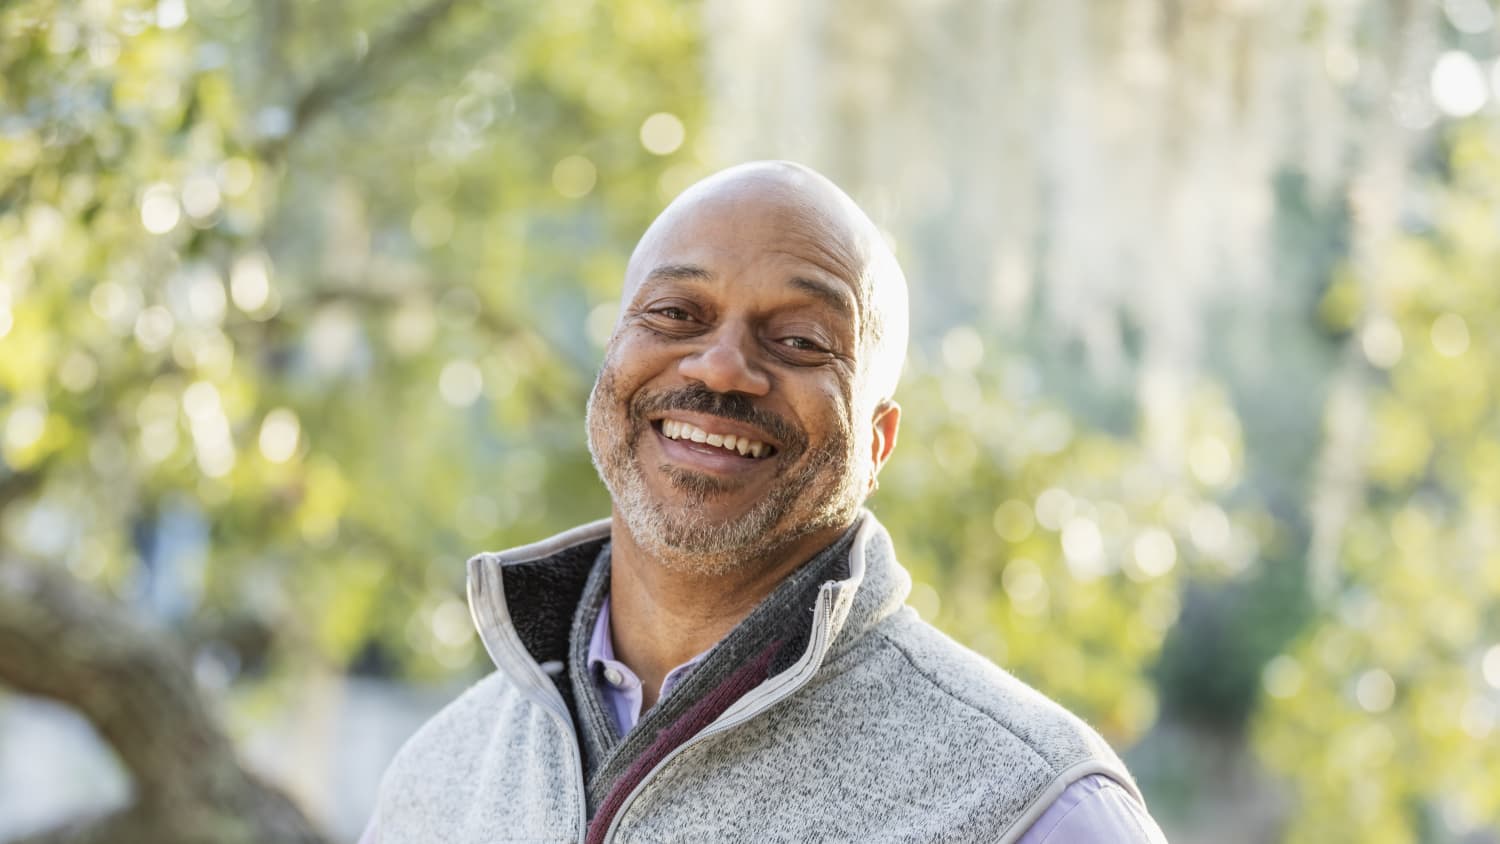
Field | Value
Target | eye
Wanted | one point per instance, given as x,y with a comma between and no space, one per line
801,344
673,319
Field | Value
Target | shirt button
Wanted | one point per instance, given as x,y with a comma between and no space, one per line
614,677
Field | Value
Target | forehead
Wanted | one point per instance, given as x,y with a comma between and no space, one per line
763,228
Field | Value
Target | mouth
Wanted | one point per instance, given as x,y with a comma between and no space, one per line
723,443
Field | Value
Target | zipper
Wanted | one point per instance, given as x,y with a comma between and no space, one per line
737,714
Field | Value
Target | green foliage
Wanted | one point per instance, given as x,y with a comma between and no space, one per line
1385,715
312,278
1060,552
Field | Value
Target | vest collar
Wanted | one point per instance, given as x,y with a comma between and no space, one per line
514,600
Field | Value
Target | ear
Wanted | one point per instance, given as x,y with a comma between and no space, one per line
885,423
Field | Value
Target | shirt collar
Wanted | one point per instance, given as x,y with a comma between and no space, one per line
602,656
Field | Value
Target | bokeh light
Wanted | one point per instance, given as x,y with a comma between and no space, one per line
159,209
280,434
461,383
574,176
1458,86
662,133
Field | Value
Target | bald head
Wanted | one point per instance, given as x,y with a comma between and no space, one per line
815,219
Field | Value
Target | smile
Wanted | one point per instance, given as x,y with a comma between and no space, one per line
708,437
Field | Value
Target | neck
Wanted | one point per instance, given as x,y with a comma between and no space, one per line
661,617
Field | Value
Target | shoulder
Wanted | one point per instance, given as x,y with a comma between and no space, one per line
908,734
976,703
449,735
483,695
491,740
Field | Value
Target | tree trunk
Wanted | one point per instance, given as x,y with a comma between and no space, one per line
59,639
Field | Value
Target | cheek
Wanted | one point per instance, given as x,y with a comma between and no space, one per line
828,418
633,360
616,375
861,416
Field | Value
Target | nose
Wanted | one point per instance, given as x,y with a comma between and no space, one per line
723,365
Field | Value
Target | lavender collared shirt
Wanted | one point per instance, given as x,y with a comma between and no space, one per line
617,683
1093,810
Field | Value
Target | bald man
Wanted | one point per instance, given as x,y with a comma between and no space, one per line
727,657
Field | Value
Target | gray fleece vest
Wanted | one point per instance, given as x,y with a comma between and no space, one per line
877,728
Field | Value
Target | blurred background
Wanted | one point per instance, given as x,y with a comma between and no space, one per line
300,304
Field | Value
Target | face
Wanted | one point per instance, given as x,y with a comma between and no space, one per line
727,420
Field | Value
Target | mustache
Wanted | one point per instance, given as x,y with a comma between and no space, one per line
737,407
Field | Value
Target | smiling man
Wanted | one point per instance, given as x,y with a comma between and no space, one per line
728,657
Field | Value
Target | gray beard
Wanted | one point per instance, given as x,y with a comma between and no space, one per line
823,493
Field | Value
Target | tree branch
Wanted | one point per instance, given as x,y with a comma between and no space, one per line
20,485
326,90
59,639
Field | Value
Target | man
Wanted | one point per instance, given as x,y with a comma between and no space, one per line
727,657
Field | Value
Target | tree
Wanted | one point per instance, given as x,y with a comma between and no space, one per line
1383,714
278,308
1058,550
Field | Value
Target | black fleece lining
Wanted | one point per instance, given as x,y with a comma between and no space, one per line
543,594
831,564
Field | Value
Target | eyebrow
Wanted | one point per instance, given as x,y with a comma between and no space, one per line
679,272
829,294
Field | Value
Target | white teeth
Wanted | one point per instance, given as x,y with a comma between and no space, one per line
676,430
